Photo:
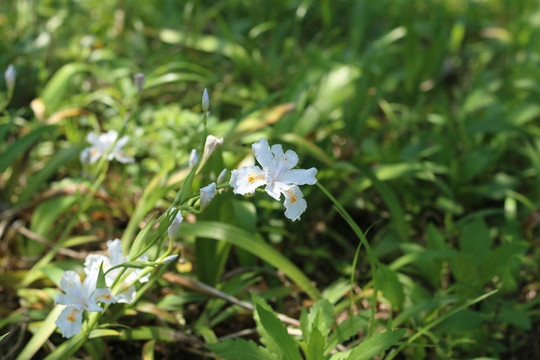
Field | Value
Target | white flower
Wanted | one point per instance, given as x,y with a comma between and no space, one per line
207,194
277,174
205,101
78,297
175,225
94,261
100,145
193,158
9,75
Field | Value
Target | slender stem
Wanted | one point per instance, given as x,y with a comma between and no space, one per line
373,262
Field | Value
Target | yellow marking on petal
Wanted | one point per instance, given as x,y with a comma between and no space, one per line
94,152
104,297
291,195
71,315
254,177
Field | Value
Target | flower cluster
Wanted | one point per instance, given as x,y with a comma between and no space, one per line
85,295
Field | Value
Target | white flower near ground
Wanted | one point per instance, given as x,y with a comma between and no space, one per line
79,296
94,261
207,194
100,145
277,174
175,225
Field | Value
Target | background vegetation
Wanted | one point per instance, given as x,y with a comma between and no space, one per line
422,117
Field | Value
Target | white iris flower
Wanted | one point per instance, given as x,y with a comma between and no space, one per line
277,174
78,297
100,145
94,261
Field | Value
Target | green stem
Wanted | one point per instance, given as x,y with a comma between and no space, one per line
373,262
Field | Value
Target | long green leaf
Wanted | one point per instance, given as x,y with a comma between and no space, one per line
240,349
55,90
21,145
275,329
248,242
39,338
60,158
376,344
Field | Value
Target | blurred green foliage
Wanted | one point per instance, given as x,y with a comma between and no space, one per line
422,117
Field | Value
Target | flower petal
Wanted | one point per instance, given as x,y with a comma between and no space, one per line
294,203
70,281
299,177
115,251
94,261
121,142
284,161
70,321
121,156
263,154
103,295
247,179
92,138
127,295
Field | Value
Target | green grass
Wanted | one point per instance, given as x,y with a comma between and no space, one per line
422,118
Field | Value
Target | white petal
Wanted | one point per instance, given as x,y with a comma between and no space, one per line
92,138
115,251
274,190
127,295
103,295
108,138
263,154
94,261
70,321
66,299
95,153
84,157
121,142
299,176
207,194
247,179
89,285
70,280
294,203
121,156
290,158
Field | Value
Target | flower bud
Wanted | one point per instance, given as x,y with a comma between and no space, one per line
221,176
9,75
193,158
169,259
175,225
207,194
139,80
211,145
205,101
